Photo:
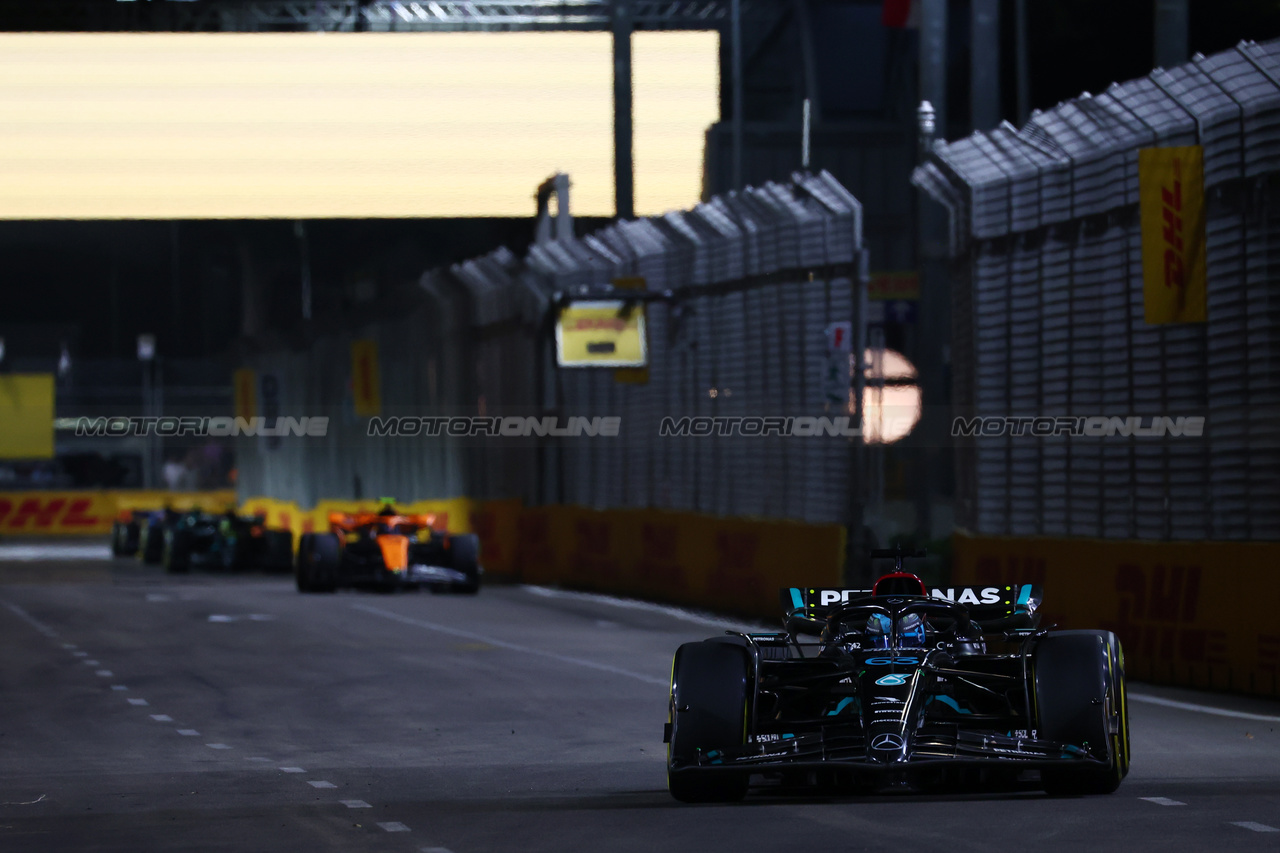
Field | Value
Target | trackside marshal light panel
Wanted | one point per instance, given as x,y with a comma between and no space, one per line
601,334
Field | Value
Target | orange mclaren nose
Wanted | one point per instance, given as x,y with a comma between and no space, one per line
395,551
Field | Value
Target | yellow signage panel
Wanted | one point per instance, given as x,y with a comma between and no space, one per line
366,380
601,334
26,416
1171,201
246,390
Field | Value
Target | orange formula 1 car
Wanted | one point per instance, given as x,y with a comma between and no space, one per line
386,549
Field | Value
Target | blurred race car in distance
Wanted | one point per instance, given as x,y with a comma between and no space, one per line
385,549
181,541
899,691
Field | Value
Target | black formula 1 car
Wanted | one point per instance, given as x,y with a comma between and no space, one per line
181,541
227,542
386,550
894,687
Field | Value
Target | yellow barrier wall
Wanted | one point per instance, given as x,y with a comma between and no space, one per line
68,513
1199,614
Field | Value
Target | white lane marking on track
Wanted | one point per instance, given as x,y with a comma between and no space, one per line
91,662
105,673
118,687
394,826
1162,801
1254,825
68,645
256,758
31,620
28,553
435,850
81,654
292,770
515,647
635,604
320,783
158,596
138,702
217,746
355,804
188,732
1203,709
162,718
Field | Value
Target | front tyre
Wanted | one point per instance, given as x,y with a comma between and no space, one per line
1081,699
710,691
464,556
316,569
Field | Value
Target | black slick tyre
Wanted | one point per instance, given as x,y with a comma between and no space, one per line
710,692
464,556
316,568
1081,700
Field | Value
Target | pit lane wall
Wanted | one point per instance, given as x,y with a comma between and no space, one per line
90,513
727,564
1194,614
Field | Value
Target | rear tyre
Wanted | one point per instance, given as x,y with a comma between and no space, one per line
708,712
1081,700
464,550
120,539
176,556
316,569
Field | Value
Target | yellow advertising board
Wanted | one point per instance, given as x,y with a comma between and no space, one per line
601,334
26,416
1171,201
366,381
246,390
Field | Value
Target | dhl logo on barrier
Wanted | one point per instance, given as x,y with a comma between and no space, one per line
1177,607
45,512
1171,199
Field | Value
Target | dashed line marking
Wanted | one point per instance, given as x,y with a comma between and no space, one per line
217,746
256,758
105,673
162,718
292,770
188,732
118,687
80,654
1162,801
394,826
320,783
1254,825
435,850
91,662
355,804
133,701
68,645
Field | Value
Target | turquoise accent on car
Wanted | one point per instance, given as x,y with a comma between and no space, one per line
844,703
784,737
950,703
797,599
1025,595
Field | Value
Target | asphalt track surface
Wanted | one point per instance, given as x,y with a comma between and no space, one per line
143,712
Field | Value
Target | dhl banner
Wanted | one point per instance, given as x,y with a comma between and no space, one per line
246,391
91,513
26,416
366,382
1199,614
1171,201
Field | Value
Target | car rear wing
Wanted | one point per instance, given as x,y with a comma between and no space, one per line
994,608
